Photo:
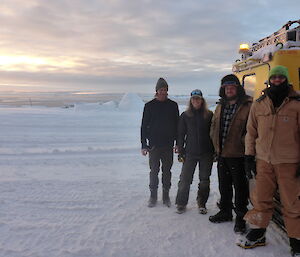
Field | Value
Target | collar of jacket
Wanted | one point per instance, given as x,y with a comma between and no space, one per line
293,95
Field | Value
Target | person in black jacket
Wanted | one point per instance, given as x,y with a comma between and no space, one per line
158,133
195,147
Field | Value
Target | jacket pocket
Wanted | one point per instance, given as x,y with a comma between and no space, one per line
287,132
288,120
264,124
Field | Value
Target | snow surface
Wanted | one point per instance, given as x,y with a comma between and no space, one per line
74,184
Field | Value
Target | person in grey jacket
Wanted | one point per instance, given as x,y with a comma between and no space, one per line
194,147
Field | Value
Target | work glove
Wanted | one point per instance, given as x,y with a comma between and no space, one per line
176,149
145,150
250,166
181,157
215,157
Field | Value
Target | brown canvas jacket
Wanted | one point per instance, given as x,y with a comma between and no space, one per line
234,146
274,135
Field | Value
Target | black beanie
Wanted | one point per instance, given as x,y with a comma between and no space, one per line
161,83
230,78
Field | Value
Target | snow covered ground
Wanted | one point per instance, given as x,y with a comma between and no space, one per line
74,184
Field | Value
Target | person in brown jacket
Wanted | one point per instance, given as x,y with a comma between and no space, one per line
273,139
228,131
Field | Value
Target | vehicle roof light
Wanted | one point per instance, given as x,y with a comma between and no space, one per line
244,47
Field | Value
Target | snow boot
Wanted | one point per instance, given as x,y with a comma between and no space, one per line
221,216
202,209
166,198
255,237
295,247
202,196
240,225
218,203
153,198
181,209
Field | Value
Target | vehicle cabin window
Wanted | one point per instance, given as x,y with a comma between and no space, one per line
249,82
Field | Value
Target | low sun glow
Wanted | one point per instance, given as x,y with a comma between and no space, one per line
32,63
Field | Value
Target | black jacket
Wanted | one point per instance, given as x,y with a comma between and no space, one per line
193,133
159,123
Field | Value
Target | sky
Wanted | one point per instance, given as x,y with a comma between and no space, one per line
125,46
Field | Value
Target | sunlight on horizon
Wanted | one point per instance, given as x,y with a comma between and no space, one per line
32,63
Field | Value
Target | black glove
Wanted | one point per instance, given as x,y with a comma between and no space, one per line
215,157
181,157
250,166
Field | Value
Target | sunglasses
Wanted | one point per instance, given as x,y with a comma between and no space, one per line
196,93
281,77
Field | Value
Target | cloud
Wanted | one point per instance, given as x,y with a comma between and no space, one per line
137,39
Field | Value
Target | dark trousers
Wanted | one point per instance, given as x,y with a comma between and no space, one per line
186,178
231,172
163,156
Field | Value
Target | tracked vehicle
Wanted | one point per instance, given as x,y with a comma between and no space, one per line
280,48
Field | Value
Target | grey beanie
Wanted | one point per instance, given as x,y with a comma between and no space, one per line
161,83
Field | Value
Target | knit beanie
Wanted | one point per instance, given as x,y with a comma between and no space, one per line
161,83
278,93
230,79
280,70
